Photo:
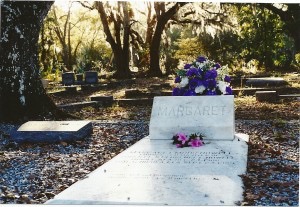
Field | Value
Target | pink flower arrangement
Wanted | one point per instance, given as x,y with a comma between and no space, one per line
194,140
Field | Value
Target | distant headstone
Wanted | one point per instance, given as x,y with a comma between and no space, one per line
266,82
266,96
154,172
52,131
71,89
105,100
211,115
91,77
68,78
79,78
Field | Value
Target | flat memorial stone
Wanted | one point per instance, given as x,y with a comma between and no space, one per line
154,172
52,131
265,82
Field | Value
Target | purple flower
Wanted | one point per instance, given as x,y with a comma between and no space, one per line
211,93
177,79
210,83
176,92
182,138
179,145
228,90
211,74
195,143
217,66
194,83
187,66
192,72
227,79
201,59
190,93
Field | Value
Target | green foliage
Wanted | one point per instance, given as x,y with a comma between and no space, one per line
94,57
188,49
224,47
262,37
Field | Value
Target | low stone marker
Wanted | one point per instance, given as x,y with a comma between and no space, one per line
52,131
91,77
68,78
266,96
70,89
105,100
266,82
154,172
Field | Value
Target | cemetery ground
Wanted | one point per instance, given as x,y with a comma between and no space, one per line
35,173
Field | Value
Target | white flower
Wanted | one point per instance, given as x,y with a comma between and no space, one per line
184,82
222,86
200,65
200,89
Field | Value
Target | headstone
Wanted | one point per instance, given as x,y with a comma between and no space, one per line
71,89
68,78
211,115
52,131
105,100
266,96
266,82
91,77
79,78
154,172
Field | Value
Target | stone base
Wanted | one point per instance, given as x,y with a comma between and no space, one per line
155,172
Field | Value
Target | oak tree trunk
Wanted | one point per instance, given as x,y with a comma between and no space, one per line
162,20
22,96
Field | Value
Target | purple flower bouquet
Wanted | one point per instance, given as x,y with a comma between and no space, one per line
202,77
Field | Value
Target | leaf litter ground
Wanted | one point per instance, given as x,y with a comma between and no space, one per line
34,173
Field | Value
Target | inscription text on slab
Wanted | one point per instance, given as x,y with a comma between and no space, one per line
211,115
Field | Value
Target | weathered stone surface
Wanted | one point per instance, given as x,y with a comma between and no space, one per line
71,89
52,131
155,172
266,96
68,78
105,100
266,82
79,78
211,115
134,101
91,77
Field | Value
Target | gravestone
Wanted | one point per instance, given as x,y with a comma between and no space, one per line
68,78
266,96
154,172
52,131
266,82
212,115
105,100
91,77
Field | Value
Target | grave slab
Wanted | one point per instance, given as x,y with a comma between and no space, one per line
266,82
52,131
155,172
